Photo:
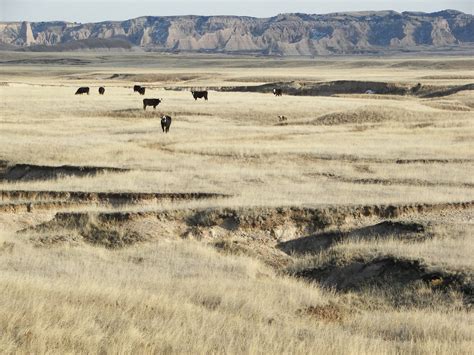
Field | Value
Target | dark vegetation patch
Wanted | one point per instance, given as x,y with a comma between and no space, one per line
447,77
392,181
29,172
433,161
357,159
462,64
140,113
358,274
48,61
129,113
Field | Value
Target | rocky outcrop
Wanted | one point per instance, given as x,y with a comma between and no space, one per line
285,34
26,34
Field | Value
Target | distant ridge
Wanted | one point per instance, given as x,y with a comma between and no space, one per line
365,32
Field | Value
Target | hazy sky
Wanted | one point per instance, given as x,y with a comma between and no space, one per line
102,10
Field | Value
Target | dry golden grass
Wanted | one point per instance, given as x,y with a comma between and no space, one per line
232,143
166,295
180,297
448,248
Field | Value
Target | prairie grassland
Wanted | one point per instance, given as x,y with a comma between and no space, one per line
179,297
214,286
449,247
233,143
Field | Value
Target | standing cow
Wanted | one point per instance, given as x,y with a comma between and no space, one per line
277,92
165,123
151,102
199,95
101,90
141,91
136,88
82,90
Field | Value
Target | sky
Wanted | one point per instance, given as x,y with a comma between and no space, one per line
105,10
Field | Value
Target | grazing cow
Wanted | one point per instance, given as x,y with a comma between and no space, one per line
165,123
136,88
151,102
141,91
101,90
282,118
277,92
199,95
82,90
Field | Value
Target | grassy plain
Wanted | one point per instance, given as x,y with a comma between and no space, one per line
190,276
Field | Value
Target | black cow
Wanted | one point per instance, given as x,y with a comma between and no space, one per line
101,90
277,92
165,123
136,88
151,102
141,91
82,90
199,95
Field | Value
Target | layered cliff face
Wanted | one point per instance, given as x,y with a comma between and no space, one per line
286,34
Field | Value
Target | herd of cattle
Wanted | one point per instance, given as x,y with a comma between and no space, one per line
165,120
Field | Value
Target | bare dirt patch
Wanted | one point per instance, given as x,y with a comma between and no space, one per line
440,92
324,313
97,231
17,201
265,225
309,219
321,241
